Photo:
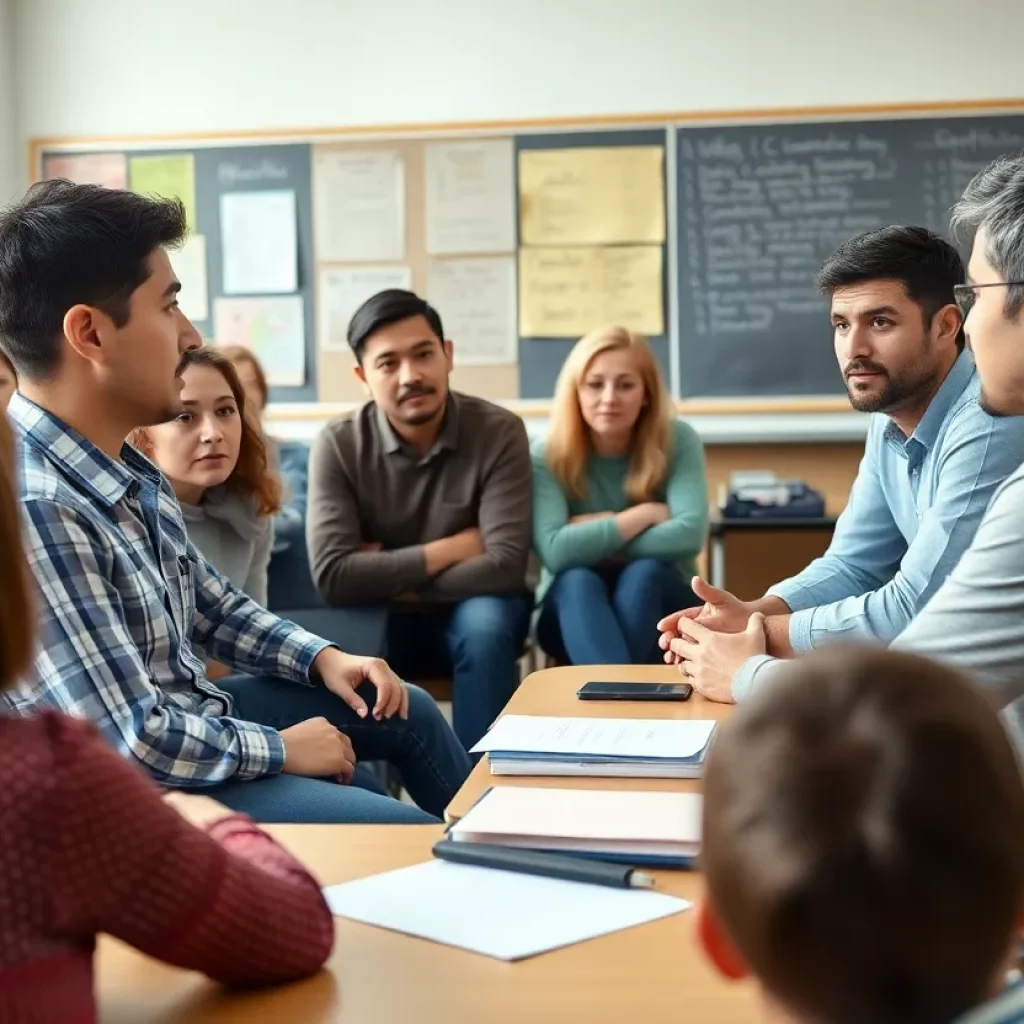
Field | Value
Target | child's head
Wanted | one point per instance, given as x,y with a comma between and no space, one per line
864,841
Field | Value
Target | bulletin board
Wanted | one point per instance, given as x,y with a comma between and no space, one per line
704,232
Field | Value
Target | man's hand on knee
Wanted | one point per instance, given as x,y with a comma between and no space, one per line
344,673
316,749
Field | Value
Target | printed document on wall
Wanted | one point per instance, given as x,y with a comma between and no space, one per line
477,298
259,242
342,290
172,176
189,263
359,206
564,293
107,169
273,328
592,196
470,197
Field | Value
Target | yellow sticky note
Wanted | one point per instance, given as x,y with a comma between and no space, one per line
565,292
172,176
592,196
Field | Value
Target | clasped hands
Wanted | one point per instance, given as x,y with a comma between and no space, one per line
710,642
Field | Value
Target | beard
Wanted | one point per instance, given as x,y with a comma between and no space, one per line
897,391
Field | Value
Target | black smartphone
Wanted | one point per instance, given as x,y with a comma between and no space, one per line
635,691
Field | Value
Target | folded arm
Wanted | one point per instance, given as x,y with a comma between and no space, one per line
686,494
504,519
343,572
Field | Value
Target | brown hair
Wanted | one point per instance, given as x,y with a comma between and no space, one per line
568,441
240,354
17,628
252,475
863,834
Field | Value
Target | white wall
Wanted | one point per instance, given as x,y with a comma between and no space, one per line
12,163
146,66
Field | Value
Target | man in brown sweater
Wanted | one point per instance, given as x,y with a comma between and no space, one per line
421,500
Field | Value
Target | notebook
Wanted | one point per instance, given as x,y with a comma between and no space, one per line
622,747
636,826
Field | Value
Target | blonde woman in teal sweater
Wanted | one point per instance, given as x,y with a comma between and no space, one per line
620,505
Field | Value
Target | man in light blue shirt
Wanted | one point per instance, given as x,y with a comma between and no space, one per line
932,461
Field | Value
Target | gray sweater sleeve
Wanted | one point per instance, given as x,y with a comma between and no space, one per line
976,618
256,581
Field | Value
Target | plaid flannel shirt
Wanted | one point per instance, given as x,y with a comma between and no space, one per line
124,600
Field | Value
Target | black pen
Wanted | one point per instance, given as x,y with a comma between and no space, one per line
549,865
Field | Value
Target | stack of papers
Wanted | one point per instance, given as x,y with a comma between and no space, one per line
636,828
498,913
622,747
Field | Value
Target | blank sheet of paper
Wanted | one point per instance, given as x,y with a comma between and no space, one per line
501,914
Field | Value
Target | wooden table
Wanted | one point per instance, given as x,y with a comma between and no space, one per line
553,692
654,973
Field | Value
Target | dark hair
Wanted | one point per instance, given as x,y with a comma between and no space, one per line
994,200
252,476
863,827
923,262
239,354
385,308
64,244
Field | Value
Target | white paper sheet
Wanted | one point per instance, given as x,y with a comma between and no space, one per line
619,737
189,263
500,914
273,328
342,290
476,298
470,197
259,242
359,204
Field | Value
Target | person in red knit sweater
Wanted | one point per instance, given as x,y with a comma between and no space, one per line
90,846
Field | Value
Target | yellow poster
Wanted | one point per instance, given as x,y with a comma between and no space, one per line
172,176
592,196
563,293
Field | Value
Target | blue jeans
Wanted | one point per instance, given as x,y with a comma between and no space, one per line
608,615
477,642
423,748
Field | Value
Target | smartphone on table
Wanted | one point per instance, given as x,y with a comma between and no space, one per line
635,691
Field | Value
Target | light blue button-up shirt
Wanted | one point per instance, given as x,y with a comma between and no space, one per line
913,511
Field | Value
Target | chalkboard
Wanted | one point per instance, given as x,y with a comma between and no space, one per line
761,206
541,359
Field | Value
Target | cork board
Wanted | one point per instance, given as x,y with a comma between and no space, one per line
336,380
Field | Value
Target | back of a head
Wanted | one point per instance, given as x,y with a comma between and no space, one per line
994,201
864,822
924,262
64,244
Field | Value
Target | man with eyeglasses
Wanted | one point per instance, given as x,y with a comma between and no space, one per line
932,462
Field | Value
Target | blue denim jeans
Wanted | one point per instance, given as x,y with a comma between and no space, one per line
477,642
608,615
423,748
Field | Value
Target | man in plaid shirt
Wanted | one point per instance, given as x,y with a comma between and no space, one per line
89,317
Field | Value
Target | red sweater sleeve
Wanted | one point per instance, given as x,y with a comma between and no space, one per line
229,902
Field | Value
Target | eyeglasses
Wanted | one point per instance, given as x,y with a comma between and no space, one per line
964,293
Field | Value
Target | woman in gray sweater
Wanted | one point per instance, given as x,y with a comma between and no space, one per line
215,458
